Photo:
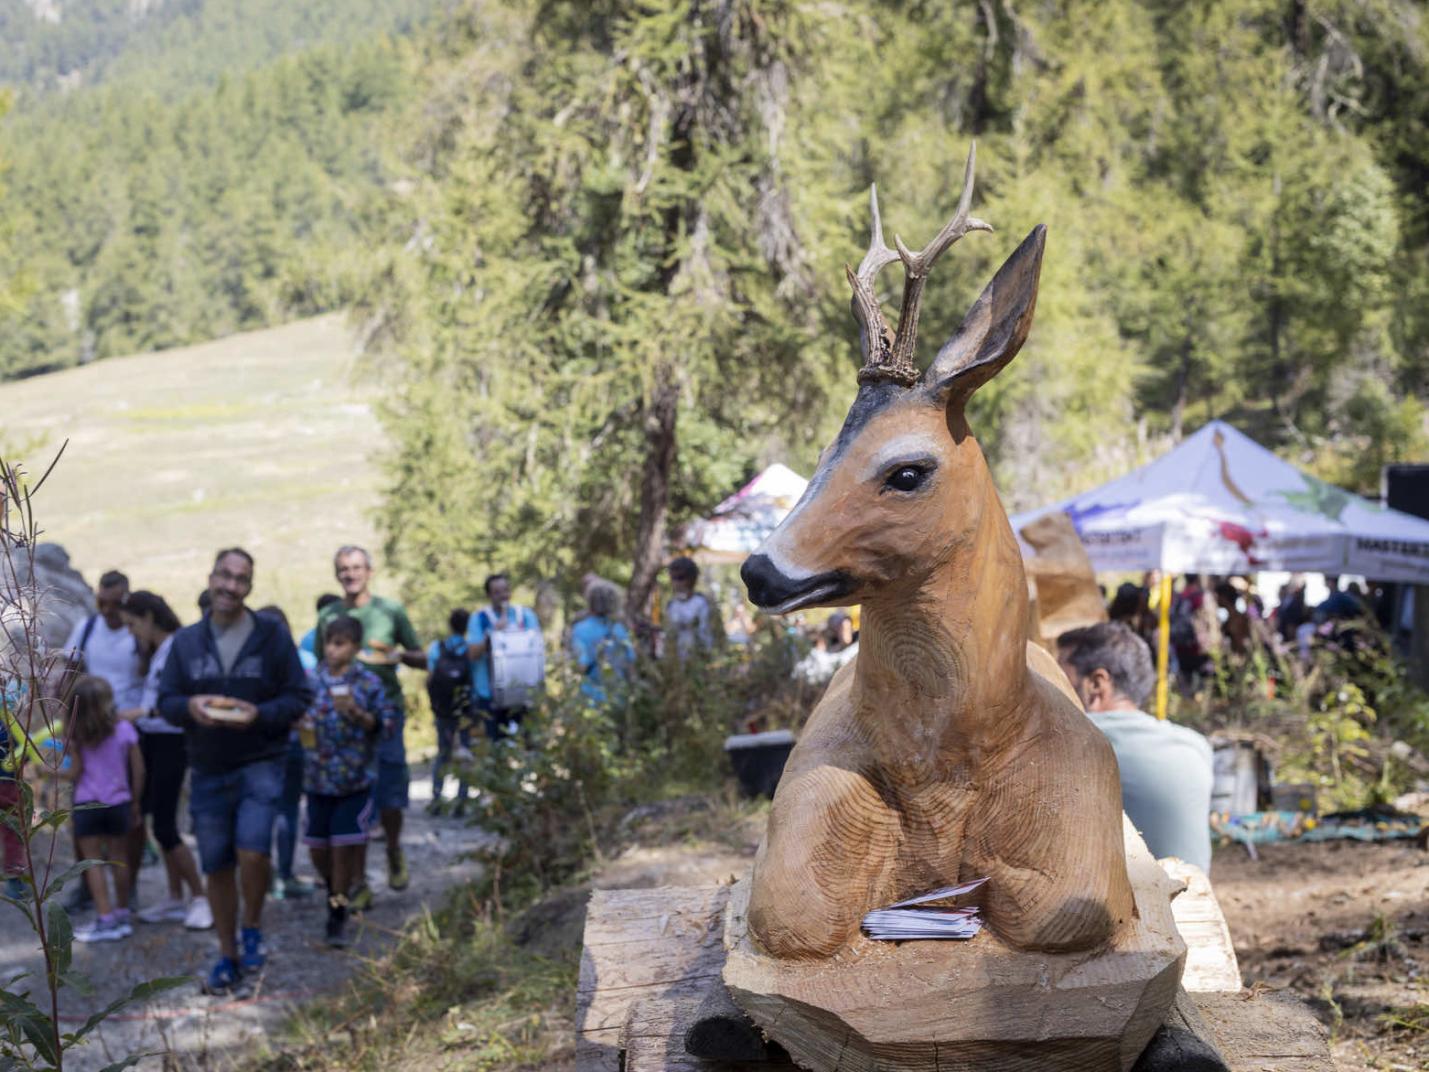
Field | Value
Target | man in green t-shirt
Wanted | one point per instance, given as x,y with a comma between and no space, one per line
388,640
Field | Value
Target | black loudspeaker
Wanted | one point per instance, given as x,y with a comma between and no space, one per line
1406,488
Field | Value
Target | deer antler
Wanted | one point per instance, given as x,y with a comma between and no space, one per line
873,334
893,360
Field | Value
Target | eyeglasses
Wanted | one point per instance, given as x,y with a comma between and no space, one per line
241,579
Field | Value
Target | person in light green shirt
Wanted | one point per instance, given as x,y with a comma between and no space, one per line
1166,770
388,641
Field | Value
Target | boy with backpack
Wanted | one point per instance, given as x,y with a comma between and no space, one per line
449,689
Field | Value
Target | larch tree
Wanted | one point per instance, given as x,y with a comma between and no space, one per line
611,300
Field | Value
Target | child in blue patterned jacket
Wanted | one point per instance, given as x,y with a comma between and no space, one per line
340,732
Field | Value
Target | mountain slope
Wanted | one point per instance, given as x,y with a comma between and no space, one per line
170,46
261,440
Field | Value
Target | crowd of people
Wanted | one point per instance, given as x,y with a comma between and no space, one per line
1214,616
268,736
272,736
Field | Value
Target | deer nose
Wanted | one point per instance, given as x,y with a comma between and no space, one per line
767,586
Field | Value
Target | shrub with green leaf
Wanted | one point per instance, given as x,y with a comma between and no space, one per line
555,791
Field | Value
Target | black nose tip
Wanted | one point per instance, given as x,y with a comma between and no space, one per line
767,586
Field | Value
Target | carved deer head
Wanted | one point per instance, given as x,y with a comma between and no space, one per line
904,485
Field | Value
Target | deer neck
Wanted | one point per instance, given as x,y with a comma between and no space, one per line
942,664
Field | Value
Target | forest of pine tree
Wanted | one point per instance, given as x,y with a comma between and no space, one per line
596,248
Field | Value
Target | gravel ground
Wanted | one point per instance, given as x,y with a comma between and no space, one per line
198,1031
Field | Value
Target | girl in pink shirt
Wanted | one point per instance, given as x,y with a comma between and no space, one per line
108,778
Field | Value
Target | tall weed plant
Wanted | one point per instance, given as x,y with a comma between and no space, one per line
33,681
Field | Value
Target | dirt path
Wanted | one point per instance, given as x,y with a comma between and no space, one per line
1345,925
206,1032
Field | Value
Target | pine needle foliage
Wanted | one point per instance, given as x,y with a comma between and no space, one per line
612,250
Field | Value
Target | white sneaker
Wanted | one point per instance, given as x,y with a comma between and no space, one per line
198,917
169,910
103,931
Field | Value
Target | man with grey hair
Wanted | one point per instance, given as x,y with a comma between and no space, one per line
1165,768
388,641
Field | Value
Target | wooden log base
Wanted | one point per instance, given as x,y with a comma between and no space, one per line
722,1032
1182,1044
642,944
1210,955
652,955
953,1006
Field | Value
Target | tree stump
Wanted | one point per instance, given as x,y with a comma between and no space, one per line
976,1004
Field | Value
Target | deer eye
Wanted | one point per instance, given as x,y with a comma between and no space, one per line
905,477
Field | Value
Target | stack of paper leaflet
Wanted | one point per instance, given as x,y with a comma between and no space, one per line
907,920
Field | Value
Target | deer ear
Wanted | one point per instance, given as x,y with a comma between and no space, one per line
994,329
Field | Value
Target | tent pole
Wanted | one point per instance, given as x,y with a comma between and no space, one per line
1163,643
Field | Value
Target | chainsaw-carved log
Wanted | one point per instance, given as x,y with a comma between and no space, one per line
945,751
977,1004
950,749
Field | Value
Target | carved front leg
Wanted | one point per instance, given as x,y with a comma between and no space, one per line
1047,833
829,841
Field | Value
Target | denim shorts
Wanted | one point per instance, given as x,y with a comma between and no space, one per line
235,810
389,788
338,821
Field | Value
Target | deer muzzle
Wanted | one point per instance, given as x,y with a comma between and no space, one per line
773,591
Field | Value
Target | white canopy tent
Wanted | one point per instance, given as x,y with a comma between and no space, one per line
1221,503
740,523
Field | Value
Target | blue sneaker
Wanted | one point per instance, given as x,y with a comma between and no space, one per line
223,979
255,953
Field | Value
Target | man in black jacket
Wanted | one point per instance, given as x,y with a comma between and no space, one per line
234,682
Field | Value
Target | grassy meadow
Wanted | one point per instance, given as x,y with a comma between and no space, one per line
263,439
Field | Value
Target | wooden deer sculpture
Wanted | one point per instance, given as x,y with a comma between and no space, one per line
950,748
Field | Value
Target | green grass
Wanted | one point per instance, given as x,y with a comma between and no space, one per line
264,440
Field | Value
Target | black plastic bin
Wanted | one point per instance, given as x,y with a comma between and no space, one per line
758,760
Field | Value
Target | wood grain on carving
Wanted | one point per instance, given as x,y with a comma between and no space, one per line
975,1004
945,751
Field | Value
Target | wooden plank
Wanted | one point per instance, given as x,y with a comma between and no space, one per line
1211,964
639,944
1266,1032
598,1052
616,916
654,1041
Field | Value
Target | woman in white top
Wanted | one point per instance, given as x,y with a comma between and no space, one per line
162,746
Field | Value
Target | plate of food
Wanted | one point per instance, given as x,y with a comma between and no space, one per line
222,709
376,653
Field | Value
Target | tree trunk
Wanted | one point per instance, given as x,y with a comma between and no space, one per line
1275,314
1178,408
658,424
